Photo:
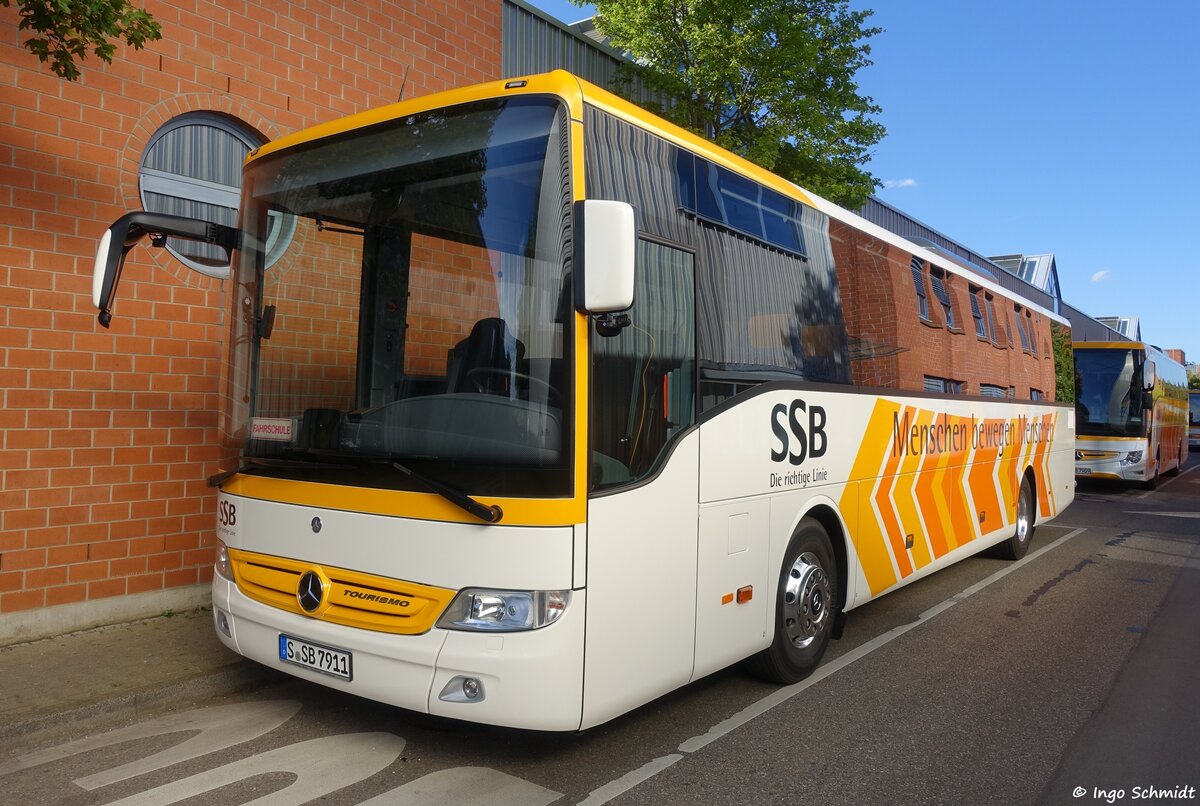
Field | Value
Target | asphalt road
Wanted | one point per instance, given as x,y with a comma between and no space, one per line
1069,677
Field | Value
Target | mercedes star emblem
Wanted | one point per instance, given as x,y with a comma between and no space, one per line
310,592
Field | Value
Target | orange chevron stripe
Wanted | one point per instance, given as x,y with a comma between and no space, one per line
927,494
1007,473
906,503
886,507
962,524
981,478
871,467
1041,470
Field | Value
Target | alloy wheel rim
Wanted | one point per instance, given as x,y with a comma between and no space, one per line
807,601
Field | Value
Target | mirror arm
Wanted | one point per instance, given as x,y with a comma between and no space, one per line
130,228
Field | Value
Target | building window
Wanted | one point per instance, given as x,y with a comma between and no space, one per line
918,274
1021,333
1029,330
943,385
991,309
1027,270
991,390
1036,394
192,167
940,280
977,313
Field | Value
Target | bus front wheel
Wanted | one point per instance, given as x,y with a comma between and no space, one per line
805,608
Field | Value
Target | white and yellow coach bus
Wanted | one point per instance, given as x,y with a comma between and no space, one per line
538,407
1131,412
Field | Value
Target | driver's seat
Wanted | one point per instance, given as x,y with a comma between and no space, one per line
489,346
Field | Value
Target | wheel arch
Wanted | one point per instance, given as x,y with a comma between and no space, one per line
831,522
1030,476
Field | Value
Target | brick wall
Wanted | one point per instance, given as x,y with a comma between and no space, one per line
108,435
443,306
892,346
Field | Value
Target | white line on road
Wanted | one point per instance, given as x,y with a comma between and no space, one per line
1165,514
628,781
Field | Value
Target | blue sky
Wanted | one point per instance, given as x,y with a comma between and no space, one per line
1048,126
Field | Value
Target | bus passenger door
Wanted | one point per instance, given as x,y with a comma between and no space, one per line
643,476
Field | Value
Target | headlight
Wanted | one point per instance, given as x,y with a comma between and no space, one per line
221,561
1131,458
504,611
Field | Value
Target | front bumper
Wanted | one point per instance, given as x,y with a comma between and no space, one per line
529,679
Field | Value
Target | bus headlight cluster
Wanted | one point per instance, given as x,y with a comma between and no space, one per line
221,561
504,611
1131,458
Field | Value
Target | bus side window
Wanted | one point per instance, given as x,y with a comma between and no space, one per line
643,379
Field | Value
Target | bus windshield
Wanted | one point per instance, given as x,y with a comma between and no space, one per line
402,294
1108,393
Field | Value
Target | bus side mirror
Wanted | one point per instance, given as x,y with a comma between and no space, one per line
130,228
605,248
1149,376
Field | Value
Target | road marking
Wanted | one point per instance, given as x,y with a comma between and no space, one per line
628,781
321,766
215,728
1165,514
466,786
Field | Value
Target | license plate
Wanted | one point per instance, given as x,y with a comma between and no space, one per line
319,658
1082,471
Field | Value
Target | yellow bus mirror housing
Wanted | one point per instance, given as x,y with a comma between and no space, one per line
606,245
130,228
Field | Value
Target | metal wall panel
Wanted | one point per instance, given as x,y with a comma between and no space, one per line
534,42
1085,328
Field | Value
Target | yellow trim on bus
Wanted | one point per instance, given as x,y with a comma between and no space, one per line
1108,345
559,83
615,105
350,598
575,92
404,504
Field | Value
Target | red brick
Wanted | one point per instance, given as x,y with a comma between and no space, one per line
22,600
106,588
65,594
22,559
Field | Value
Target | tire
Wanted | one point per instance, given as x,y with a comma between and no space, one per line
1014,548
805,608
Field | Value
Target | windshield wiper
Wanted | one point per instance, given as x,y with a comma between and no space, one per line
252,462
487,514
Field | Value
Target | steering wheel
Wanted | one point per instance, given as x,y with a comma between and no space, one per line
478,378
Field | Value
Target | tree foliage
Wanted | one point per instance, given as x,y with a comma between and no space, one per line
1064,363
771,80
65,30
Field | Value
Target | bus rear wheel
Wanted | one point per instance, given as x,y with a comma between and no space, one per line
805,608
1015,547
